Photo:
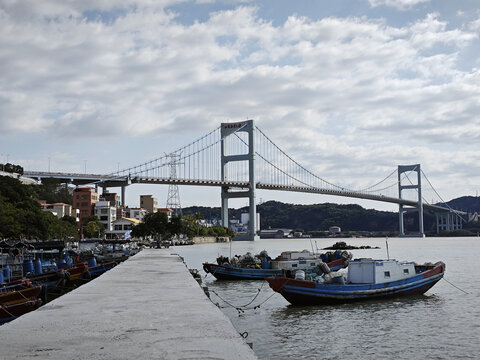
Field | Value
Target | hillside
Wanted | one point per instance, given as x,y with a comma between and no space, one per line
319,217
466,203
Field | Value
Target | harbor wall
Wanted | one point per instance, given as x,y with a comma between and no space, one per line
148,307
210,239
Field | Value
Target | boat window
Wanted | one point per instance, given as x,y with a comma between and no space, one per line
312,264
387,274
405,271
294,265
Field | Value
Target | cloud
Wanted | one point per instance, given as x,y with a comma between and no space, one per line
341,94
398,4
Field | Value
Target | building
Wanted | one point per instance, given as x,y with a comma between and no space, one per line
121,212
168,211
121,228
58,209
245,220
113,198
148,203
84,199
106,213
335,229
135,213
275,233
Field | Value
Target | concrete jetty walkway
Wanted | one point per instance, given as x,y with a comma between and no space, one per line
148,307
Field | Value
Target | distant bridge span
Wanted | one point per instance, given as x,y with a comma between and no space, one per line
107,181
237,155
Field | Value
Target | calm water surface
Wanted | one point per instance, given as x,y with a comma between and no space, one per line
442,324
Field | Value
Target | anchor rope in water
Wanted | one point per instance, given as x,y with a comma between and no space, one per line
242,308
456,287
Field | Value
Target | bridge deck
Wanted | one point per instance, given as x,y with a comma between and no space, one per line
147,307
114,181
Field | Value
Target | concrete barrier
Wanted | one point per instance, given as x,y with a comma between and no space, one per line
148,307
210,239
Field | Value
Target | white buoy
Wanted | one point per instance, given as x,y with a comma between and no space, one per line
300,275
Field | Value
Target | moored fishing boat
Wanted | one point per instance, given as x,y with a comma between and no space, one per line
12,311
77,271
366,279
19,294
95,270
248,267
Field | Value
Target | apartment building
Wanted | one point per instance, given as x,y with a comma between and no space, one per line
84,199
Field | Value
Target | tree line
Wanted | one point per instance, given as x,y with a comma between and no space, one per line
12,168
21,216
158,226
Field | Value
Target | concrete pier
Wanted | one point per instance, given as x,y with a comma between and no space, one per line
148,307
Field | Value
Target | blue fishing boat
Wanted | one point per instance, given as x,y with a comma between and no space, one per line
262,266
366,279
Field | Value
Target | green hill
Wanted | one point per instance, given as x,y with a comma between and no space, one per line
319,217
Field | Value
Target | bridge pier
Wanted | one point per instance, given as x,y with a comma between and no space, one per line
403,208
228,192
448,221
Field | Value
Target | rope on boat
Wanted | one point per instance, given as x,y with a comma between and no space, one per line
456,287
8,312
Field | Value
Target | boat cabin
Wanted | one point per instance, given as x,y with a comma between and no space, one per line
296,260
296,264
369,271
295,255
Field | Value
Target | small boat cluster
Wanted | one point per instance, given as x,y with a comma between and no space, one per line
31,277
306,278
286,264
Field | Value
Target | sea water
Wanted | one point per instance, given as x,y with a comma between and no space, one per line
442,324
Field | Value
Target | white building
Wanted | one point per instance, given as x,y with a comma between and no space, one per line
335,229
245,220
136,213
58,209
106,213
121,227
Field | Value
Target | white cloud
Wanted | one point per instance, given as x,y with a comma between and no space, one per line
335,92
398,4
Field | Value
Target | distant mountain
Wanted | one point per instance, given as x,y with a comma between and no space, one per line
466,203
319,217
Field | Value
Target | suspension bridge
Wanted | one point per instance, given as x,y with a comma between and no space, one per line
240,158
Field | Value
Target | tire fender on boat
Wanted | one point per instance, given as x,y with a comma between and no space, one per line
206,268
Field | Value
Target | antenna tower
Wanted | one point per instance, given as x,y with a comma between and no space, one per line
173,201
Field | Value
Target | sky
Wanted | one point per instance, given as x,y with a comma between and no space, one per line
349,89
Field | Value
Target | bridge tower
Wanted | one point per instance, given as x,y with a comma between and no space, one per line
228,192
404,208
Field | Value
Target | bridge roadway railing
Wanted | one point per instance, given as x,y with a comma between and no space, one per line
112,181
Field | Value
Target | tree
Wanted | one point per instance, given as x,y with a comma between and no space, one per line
156,224
52,191
21,215
93,227
175,226
197,217
141,231
70,220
